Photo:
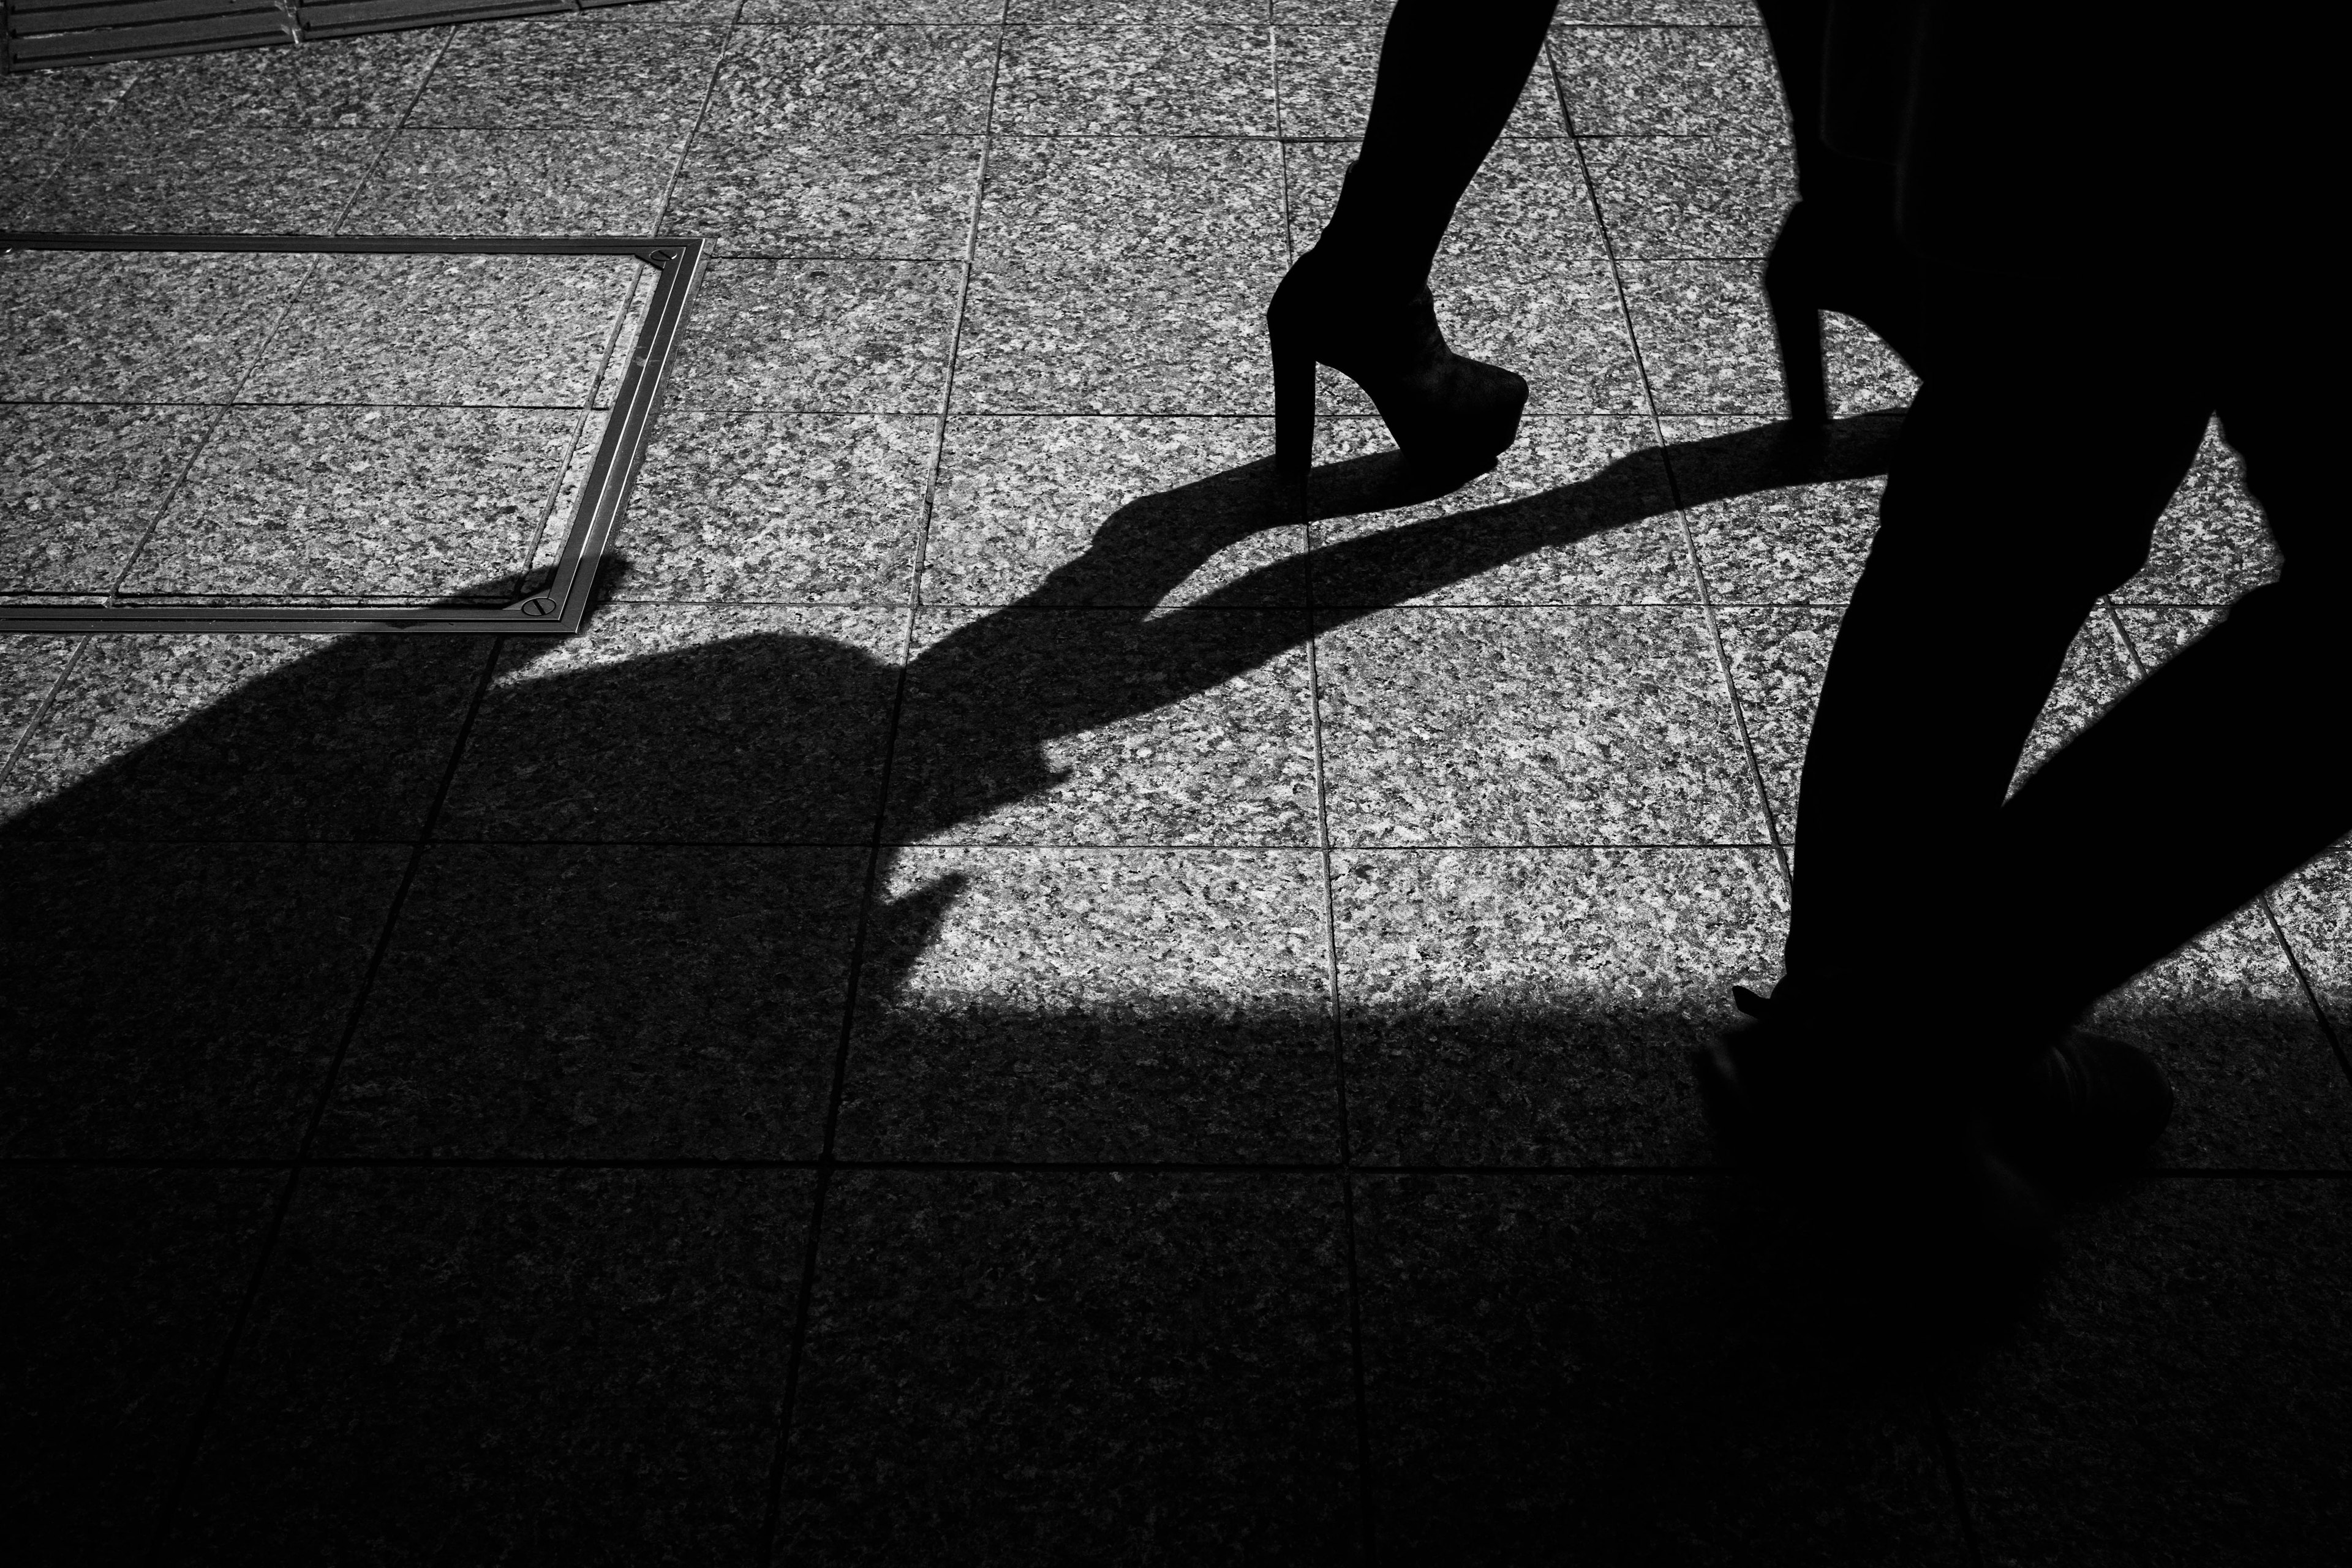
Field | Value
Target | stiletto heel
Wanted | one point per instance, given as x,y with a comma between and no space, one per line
1446,412
1797,324
1294,405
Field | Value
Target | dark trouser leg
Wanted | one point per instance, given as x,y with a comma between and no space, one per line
2221,774
1997,535
1450,71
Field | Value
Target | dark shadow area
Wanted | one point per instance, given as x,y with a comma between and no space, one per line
535,1298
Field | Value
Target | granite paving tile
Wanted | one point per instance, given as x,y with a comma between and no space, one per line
1090,1367
2159,632
1584,1359
1092,1004
217,179
1509,1007
685,724
1176,78
124,1284
181,1000
548,73
2183,1395
821,509
415,503
787,10
1671,196
331,83
1779,653
470,1365
669,1003
1327,75
2258,1086
1778,534
1130,340
1667,81
244,737
83,486
30,668
1090,726
1137,12
1528,198
841,194
2315,908
1123,276
515,330
1578,511
88,326
22,181
849,336
891,79
2211,544
46,111
666,14
586,180
1697,13
1530,725
1105,511
1865,375
1707,345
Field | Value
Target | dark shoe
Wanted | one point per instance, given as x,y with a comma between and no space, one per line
1828,260
1446,411
2087,1109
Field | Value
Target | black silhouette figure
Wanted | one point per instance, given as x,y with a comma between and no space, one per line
1928,994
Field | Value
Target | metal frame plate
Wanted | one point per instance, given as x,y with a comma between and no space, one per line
554,608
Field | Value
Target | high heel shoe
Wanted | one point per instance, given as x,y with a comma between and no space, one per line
1824,260
1445,411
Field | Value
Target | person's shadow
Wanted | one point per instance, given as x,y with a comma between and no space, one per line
191,921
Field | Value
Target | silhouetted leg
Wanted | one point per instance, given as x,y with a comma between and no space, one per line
1450,71
2220,775
1996,538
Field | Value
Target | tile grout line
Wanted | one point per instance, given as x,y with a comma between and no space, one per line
166,1514
270,334
1367,1533
772,1523
2336,1042
40,712
1682,515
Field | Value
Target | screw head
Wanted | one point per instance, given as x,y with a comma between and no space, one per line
541,605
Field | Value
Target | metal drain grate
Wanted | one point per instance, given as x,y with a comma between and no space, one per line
139,349
44,33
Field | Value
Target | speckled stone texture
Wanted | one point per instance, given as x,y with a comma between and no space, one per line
180,1001
1108,511
695,724
82,487
1176,78
589,180
350,82
835,194
1123,276
1587,1359
1326,81
225,738
89,326
1095,1367
1520,1007
512,329
1692,195
170,178
1673,81
550,74
894,78
411,503
816,509
2211,544
1530,725
604,1002
123,1286
1578,511
1096,1004
1779,534
466,1365
2314,909
2178,1397
845,337
1083,726
30,668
